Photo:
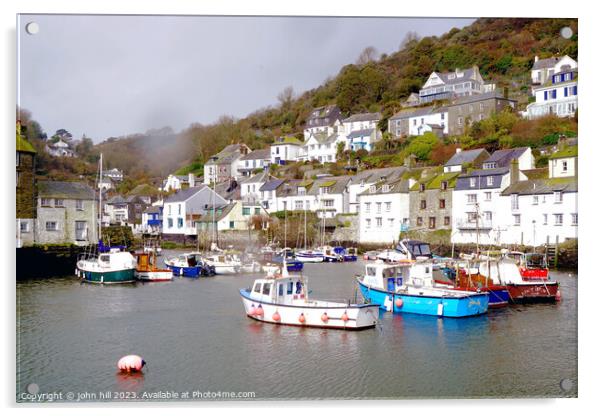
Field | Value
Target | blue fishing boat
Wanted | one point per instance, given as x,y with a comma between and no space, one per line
347,254
409,288
287,255
189,265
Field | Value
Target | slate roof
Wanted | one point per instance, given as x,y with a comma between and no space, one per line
463,181
475,98
322,138
116,199
227,155
360,133
289,188
569,151
417,112
375,175
337,185
465,156
363,117
258,177
152,210
433,181
545,63
65,190
468,73
229,190
271,185
396,186
262,154
184,194
504,157
542,186
220,213
144,190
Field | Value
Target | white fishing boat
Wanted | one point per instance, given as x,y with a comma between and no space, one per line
330,255
224,263
284,300
309,256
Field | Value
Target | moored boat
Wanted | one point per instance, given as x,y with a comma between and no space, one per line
409,288
284,300
147,270
114,266
330,255
309,256
224,263
189,265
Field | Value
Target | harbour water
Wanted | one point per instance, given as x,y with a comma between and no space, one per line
195,337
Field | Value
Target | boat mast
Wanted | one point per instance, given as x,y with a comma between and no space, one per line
284,244
477,225
305,227
100,199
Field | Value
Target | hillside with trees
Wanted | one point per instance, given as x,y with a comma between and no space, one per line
503,49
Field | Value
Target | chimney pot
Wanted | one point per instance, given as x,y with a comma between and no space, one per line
536,58
458,150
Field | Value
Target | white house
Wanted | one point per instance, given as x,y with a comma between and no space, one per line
115,174
257,159
60,149
543,69
363,139
250,188
364,179
177,182
224,165
285,149
429,119
362,121
477,205
330,196
321,147
227,217
325,120
458,83
105,184
558,97
384,209
543,211
183,209
503,158
269,199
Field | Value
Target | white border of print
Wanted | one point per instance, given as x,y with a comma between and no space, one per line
591,146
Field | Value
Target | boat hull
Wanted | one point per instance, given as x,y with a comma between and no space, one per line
114,276
192,271
457,307
226,269
499,297
154,276
526,292
349,257
358,316
309,258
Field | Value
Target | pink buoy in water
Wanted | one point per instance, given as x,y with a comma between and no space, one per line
130,363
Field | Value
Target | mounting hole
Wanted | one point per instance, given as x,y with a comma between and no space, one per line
566,32
33,388
32,28
566,384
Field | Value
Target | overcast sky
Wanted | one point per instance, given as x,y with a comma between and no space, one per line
116,75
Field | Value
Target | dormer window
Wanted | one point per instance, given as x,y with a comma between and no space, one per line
422,187
489,180
473,182
372,189
443,185
385,188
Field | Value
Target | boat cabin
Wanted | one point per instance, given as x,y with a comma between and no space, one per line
191,259
116,259
414,249
391,277
283,290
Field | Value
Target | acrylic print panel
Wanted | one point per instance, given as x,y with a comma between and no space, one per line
420,171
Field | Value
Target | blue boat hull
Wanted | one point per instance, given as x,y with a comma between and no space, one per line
349,257
292,265
427,305
498,298
191,271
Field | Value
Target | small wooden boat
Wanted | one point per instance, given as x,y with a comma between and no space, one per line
284,300
147,270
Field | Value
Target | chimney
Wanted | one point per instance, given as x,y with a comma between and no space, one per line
458,150
191,179
514,172
536,58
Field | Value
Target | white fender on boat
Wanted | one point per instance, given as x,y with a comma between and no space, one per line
181,271
440,309
558,296
130,363
388,304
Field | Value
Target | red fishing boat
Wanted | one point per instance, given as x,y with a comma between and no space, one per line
532,266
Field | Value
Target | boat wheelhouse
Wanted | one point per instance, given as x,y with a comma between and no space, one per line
409,288
147,269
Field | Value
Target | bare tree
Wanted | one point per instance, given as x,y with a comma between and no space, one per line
367,55
410,37
286,97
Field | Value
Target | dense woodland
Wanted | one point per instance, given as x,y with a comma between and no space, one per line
502,48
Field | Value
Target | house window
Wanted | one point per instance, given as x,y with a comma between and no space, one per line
80,230
59,203
473,182
368,221
372,189
419,221
573,219
24,227
545,219
516,219
472,198
535,199
169,209
52,226
180,222
257,211
298,205
231,225
379,222
378,207
45,202
170,222
432,222
487,196
442,203
422,187
329,202
391,222
565,166
471,217
79,204
487,215
423,204
446,221
246,211
489,180
367,205
557,219
558,197
514,201
179,209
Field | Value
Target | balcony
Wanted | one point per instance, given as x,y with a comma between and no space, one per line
472,225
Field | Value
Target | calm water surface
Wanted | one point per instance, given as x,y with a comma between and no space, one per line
195,337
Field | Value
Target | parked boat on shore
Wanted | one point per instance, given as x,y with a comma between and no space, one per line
409,288
284,300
